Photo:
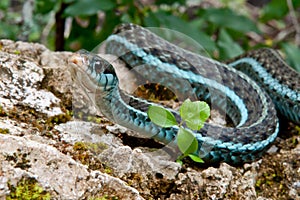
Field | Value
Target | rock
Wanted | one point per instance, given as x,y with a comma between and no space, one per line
52,134
61,176
25,152
20,78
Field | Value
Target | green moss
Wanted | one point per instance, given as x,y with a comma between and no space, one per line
17,52
2,112
27,189
58,119
108,170
134,179
258,183
27,115
94,119
87,117
105,197
85,153
298,129
80,146
154,92
96,148
4,130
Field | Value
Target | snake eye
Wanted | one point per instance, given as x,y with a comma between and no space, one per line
100,65
97,65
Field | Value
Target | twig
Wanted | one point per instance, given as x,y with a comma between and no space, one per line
295,21
47,29
27,17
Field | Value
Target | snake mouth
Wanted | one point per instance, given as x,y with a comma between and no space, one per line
79,67
80,61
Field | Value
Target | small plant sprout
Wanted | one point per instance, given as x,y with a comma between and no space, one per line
193,115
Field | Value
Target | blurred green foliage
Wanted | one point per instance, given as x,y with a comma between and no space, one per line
222,31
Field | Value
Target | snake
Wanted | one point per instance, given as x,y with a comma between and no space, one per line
250,90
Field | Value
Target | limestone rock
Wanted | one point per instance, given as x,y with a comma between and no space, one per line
52,133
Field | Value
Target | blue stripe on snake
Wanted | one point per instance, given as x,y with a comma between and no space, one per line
232,92
152,60
281,89
271,83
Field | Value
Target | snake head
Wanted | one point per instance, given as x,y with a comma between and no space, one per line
92,70
94,64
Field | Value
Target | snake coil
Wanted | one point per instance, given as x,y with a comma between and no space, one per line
232,92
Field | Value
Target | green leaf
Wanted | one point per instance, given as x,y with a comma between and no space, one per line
194,113
170,2
9,31
277,10
196,158
274,10
45,6
179,161
228,47
186,141
4,4
224,17
161,116
68,1
292,55
89,7
167,20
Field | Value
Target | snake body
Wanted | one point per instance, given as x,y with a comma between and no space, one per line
193,76
281,82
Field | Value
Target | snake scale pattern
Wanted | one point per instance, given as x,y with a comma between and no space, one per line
244,101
